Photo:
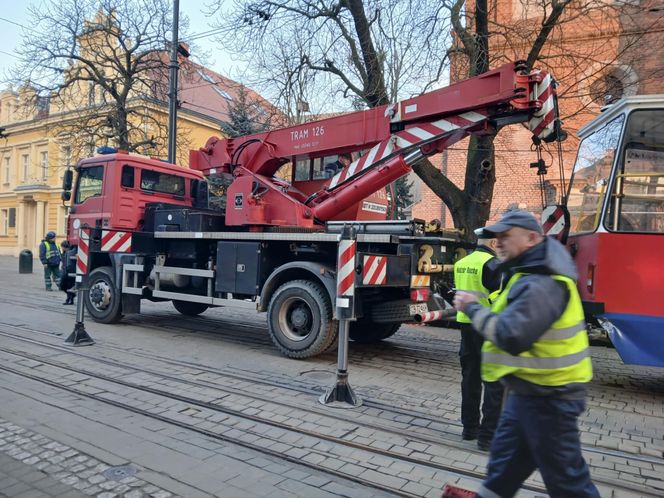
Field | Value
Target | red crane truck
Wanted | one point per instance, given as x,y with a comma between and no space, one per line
144,228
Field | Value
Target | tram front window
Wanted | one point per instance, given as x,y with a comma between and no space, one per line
637,197
591,175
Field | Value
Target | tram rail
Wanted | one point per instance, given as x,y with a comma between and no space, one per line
422,438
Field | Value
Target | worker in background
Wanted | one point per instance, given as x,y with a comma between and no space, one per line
536,344
343,161
477,273
50,257
67,282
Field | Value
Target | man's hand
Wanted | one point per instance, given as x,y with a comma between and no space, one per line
45,265
463,299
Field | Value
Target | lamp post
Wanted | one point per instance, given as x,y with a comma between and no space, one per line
173,84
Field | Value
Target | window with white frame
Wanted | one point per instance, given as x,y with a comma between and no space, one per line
7,170
43,163
4,221
62,219
25,166
65,157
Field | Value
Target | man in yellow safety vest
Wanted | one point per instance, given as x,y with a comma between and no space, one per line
477,273
536,345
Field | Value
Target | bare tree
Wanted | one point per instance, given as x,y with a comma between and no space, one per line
380,50
368,52
103,65
558,35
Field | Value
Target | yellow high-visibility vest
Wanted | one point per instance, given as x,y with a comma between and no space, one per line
468,277
51,250
559,357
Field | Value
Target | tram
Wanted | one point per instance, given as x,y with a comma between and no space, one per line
615,203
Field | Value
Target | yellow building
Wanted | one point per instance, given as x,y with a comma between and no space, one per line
34,151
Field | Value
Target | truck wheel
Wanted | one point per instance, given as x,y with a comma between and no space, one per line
366,332
189,309
300,319
103,299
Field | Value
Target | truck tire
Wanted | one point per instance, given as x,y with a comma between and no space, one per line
103,300
299,319
365,332
189,309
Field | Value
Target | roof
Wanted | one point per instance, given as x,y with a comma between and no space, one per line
204,91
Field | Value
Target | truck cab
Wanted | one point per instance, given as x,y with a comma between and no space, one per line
111,191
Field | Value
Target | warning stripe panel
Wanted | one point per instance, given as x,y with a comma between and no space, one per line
346,268
374,270
82,253
112,241
420,280
554,221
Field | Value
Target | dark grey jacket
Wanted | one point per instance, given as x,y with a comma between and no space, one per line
534,303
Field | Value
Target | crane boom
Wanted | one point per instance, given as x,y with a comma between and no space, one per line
391,138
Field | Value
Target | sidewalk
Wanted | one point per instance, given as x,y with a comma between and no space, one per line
20,480
34,466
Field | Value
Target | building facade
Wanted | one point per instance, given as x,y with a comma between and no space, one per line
34,151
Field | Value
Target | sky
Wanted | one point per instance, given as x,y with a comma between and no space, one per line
13,12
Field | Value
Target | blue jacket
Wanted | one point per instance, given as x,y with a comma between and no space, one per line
49,254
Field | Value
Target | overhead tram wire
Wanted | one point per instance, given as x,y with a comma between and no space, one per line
194,36
11,55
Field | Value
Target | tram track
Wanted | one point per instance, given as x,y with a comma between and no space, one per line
190,402
396,349
399,433
391,358
391,354
431,416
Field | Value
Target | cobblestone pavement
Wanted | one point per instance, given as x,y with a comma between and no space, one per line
244,420
32,462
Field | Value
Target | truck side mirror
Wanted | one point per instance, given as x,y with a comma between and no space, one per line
66,195
199,192
67,180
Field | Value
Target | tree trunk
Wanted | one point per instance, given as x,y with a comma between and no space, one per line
479,183
122,130
374,86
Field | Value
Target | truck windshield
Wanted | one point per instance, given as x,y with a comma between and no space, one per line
637,194
591,176
90,183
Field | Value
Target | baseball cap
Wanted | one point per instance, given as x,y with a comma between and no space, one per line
50,235
511,219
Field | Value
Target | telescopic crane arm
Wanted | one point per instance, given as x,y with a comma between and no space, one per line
396,135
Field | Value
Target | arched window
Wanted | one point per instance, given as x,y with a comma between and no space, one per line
607,88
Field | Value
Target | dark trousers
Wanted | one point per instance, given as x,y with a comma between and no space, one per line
67,284
538,432
51,272
470,355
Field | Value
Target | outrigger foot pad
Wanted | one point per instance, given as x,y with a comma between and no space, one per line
450,491
79,337
340,395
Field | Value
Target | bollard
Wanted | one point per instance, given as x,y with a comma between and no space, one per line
342,394
79,336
